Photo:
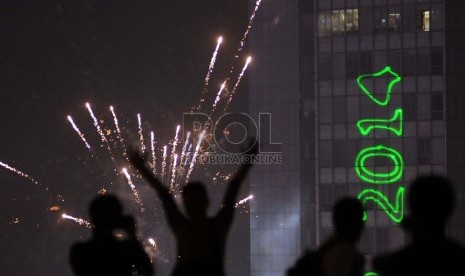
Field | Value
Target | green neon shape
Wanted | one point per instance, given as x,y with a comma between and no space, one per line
388,70
379,178
371,274
395,213
382,124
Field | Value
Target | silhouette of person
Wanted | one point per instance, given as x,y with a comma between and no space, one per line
338,255
431,200
201,240
109,252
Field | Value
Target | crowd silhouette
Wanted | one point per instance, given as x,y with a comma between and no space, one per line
114,248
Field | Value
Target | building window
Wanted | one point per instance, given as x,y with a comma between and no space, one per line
352,65
409,105
408,63
351,19
436,61
437,107
394,22
423,61
337,22
425,21
324,67
424,151
324,23
381,21
366,62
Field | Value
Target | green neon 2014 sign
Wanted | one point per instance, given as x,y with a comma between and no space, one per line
366,126
386,70
395,212
379,151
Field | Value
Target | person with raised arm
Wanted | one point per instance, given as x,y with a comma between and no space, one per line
201,240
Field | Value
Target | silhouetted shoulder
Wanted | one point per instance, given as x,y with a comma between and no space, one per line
435,258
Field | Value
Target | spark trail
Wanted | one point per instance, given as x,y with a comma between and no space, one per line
77,220
118,131
18,172
141,134
218,97
245,200
246,34
100,131
70,119
133,188
196,153
154,156
163,164
184,148
251,20
211,67
173,176
249,59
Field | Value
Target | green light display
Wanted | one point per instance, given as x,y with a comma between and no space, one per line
366,126
396,213
386,70
377,177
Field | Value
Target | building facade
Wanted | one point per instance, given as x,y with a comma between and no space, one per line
365,95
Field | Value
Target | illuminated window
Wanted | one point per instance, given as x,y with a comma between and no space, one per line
394,22
351,20
381,21
337,22
425,21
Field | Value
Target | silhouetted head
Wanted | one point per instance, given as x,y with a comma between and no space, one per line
195,200
106,212
431,200
348,218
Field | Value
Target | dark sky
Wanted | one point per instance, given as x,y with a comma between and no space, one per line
138,55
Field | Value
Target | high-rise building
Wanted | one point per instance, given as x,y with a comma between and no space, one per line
364,95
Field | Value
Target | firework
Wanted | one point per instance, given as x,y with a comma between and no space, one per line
133,188
252,17
118,131
79,132
163,164
175,141
245,200
153,244
173,177
141,134
184,148
79,221
100,131
246,33
189,150
211,67
196,153
218,96
249,59
18,172
154,156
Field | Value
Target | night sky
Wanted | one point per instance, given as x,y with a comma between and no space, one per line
139,56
